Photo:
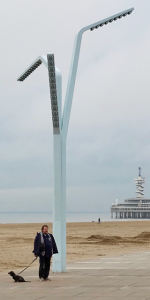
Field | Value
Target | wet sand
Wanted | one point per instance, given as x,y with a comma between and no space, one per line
84,241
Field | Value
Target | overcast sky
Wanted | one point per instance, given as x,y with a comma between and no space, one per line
109,131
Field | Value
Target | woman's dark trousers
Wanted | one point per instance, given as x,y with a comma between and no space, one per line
44,267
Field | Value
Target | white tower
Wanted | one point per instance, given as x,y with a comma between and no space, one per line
140,188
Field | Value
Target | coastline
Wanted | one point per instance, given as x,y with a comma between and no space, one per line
73,217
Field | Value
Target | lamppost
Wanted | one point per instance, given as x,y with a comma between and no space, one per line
60,128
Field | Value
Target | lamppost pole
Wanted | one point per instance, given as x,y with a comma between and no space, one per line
60,129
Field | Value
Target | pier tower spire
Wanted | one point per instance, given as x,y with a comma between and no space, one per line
139,181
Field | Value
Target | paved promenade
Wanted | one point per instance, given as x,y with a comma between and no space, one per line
121,277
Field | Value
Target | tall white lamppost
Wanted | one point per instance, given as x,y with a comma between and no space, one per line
60,128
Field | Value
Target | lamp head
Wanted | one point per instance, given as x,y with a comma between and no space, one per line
52,74
113,18
53,92
30,70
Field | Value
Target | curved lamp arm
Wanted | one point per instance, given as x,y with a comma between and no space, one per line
74,65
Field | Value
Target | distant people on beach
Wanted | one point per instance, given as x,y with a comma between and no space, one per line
99,220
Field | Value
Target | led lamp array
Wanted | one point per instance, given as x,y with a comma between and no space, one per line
29,71
111,20
53,89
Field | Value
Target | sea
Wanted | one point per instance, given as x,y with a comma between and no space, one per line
45,217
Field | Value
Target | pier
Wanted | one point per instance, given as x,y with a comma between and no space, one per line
133,208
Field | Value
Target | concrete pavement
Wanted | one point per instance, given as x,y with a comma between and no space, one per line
120,277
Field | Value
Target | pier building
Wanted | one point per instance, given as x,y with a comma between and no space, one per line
137,208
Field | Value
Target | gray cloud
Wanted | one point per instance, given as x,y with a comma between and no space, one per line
108,136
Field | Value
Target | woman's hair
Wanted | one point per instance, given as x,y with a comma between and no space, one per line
43,227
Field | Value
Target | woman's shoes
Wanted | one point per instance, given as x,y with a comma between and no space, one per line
41,279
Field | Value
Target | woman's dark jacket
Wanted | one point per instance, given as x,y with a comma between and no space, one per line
38,247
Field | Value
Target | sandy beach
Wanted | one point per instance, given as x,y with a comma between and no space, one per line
84,241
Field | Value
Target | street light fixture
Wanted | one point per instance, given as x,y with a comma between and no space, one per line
60,129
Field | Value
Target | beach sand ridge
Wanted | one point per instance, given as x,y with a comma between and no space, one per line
84,241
